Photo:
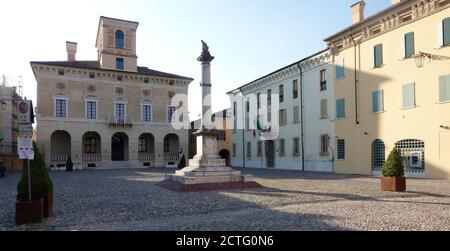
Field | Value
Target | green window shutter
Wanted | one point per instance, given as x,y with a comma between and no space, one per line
339,68
378,55
340,108
409,45
409,99
444,88
377,101
446,29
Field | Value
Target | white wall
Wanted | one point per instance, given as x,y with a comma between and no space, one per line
314,126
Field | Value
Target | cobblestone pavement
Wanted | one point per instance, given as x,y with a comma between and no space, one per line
130,200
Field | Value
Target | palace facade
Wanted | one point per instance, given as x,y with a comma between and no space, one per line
109,110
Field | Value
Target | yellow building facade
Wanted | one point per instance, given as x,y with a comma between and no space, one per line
108,112
392,84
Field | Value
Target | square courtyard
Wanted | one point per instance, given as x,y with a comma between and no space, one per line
290,200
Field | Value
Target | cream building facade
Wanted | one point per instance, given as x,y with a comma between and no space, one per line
108,112
306,133
388,94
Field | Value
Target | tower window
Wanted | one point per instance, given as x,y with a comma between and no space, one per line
119,39
119,63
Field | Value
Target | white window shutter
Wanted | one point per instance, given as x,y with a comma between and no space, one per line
440,34
402,47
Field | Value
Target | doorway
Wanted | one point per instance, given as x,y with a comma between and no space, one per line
119,147
270,153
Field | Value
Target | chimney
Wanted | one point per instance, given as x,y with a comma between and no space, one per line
71,48
358,11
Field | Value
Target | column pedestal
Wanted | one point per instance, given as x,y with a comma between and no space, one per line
207,171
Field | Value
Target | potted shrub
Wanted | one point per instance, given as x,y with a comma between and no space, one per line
69,164
393,171
182,163
41,184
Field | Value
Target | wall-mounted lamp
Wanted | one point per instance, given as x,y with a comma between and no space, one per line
421,56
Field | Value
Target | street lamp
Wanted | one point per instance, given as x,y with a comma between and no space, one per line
421,56
3,105
419,59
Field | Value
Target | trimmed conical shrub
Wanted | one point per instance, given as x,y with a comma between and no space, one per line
182,163
40,180
394,165
69,164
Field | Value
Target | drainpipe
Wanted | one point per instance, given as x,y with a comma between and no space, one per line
301,117
356,78
243,131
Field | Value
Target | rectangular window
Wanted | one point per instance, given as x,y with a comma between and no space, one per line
409,45
340,68
249,149
247,106
91,110
323,108
295,89
409,95
233,150
340,108
281,93
324,144
146,113
296,147
234,117
341,149
60,108
296,116
170,113
120,111
119,63
282,147
446,31
323,80
444,88
142,145
259,149
61,72
89,146
269,97
378,55
283,117
377,101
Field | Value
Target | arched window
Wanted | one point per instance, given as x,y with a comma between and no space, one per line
119,39
378,155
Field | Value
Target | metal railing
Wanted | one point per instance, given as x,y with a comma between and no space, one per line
171,156
91,158
119,121
146,157
59,158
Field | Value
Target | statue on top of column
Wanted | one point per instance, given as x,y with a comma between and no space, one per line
205,56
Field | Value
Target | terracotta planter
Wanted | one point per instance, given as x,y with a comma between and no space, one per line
28,212
48,204
393,184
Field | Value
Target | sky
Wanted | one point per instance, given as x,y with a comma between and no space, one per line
249,38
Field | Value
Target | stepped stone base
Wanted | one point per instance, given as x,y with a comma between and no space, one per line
207,175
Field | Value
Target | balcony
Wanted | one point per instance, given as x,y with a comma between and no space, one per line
119,121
